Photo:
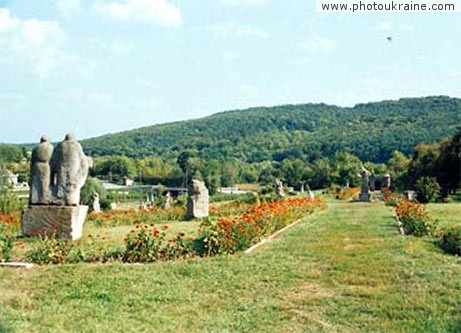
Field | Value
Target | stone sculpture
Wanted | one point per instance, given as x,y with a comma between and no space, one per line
96,204
167,203
69,170
197,201
40,192
365,187
279,188
57,177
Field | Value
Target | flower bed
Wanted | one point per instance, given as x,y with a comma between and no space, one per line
414,218
149,243
229,235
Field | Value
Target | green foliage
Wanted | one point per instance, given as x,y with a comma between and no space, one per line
10,153
114,167
91,185
307,132
450,240
6,245
427,189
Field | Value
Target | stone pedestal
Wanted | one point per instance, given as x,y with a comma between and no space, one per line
365,197
59,221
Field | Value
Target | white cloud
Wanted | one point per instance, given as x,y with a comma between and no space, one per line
234,30
160,12
32,43
317,44
243,2
69,8
385,26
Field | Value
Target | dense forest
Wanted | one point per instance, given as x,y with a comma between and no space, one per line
414,140
307,132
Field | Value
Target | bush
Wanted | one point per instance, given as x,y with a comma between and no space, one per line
415,219
450,241
9,202
91,185
427,189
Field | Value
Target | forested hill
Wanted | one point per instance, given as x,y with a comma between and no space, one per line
308,131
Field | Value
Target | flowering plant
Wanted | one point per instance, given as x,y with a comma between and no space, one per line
414,218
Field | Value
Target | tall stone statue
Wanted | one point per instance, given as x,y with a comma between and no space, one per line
197,201
365,187
40,192
69,170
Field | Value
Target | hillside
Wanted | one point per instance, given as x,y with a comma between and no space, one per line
371,131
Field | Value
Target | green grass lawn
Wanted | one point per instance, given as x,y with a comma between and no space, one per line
343,270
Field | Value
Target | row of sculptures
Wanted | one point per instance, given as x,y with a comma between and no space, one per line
58,174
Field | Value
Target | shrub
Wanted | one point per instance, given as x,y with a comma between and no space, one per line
9,202
6,245
415,219
450,241
148,244
427,189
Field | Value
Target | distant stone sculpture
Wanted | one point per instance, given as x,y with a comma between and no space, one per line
40,192
167,203
365,187
57,176
69,170
279,188
96,204
197,201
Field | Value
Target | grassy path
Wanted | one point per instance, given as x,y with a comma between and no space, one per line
343,270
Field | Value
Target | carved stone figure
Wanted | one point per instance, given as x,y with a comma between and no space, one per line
56,179
69,169
167,203
96,204
40,193
197,201
365,187
279,188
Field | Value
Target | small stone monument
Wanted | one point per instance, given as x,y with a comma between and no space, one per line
57,177
410,195
168,200
278,185
365,188
197,200
96,204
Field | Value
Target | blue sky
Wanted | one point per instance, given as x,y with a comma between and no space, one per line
100,66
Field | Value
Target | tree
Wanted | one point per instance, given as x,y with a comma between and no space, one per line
449,166
427,189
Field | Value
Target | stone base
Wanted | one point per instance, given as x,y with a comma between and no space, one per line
365,197
197,210
59,221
